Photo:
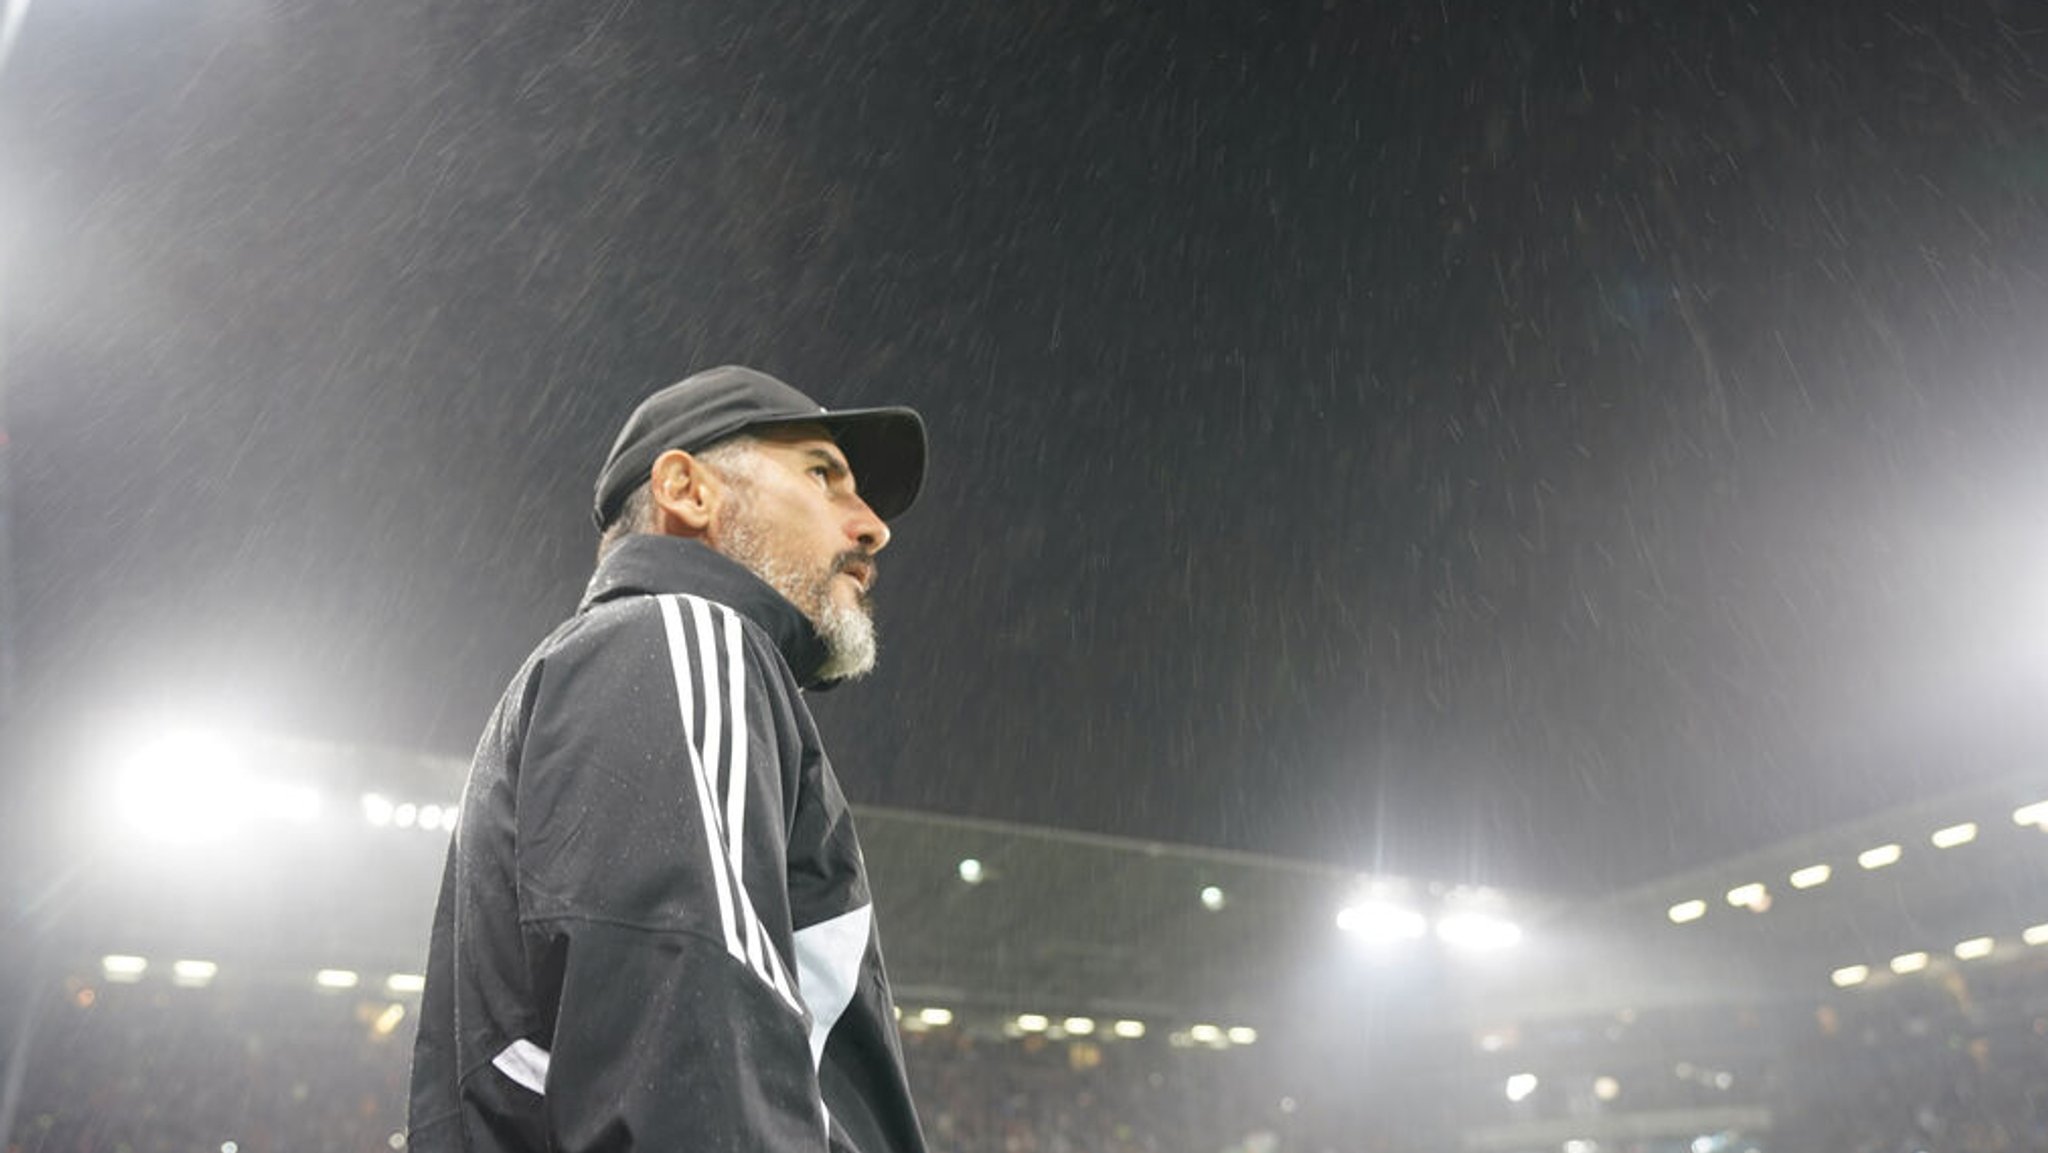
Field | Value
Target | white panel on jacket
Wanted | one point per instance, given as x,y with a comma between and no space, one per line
828,960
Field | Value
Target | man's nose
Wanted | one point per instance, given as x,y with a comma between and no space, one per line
868,530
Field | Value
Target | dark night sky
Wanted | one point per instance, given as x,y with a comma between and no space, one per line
1550,443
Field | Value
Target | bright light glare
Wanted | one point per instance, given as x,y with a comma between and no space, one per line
1909,963
1241,1034
1128,1030
1606,1088
1685,911
1520,1086
336,979
2035,814
935,1016
1849,975
1478,932
972,872
2035,934
1879,857
1206,1034
387,1021
1378,922
1753,896
186,787
406,815
1811,875
123,969
1033,1022
378,809
405,983
1974,948
193,974
1213,898
1954,835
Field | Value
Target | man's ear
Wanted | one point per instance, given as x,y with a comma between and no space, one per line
685,493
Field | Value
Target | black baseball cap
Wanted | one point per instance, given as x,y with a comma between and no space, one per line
885,447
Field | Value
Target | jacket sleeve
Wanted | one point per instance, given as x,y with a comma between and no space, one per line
675,1023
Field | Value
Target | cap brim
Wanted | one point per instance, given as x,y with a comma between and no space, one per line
885,447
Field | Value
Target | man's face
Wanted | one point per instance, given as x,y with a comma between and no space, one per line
792,515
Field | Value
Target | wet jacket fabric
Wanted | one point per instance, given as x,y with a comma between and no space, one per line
654,929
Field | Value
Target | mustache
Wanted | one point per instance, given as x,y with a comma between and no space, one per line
859,564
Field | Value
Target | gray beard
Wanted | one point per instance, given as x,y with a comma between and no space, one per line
848,632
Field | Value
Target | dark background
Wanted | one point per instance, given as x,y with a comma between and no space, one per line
1545,444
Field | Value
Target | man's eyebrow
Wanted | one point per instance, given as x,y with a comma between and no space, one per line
837,465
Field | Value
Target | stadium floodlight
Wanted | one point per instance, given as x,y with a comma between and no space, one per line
1811,876
935,1016
1206,1034
1033,1022
387,1021
1478,932
1078,1026
1381,922
1606,1088
405,983
1849,975
1909,963
1954,835
2035,934
1520,1085
186,786
406,815
2035,814
1213,898
1754,896
1880,856
971,871
193,974
337,978
378,809
430,817
1241,1034
1975,948
123,969
1685,911
1128,1029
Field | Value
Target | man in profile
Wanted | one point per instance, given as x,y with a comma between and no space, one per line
654,929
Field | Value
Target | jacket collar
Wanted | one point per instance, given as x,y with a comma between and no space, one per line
645,564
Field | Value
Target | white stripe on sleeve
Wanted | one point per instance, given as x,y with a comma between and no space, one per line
526,1063
672,623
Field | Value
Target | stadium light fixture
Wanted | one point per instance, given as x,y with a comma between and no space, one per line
1909,963
406,815
1079,1026
1128,1029
1850,975
1206,1034
935,1016
1975,948
1954,835
430,817
1242,1034
1033,1022
2035,934
1213,898
405,983
1811,876
378,809
1880,856
2035,814
193,974
123,969
972,872
1478,932
1754,896
337,978
1606,1088
1381,922
1520,1086
387,1021
1685,911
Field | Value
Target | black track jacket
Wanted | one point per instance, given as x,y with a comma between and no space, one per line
654,928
